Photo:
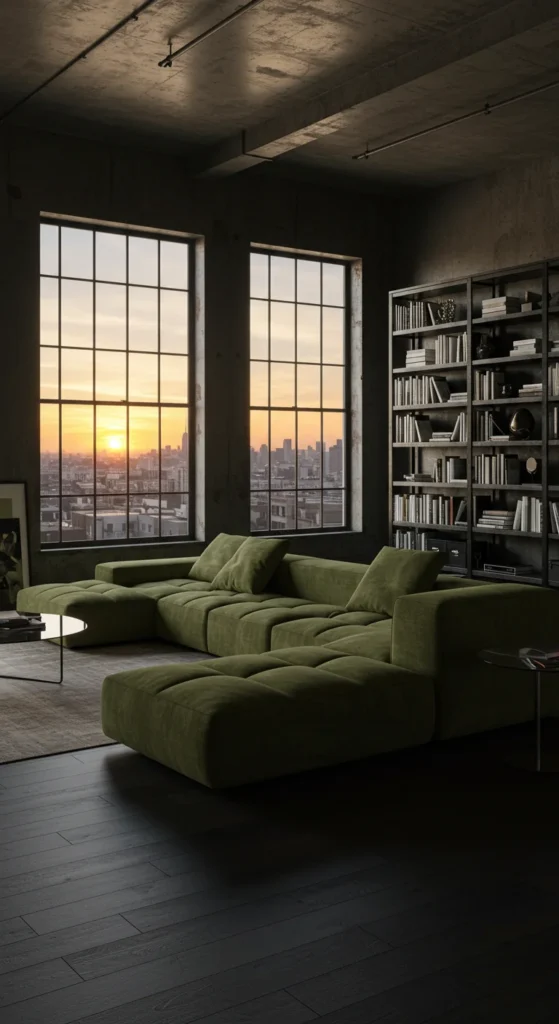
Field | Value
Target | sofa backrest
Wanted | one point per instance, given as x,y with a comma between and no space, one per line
329,581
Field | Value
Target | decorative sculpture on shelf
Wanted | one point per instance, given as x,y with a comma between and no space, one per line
485,347
446,312
521,425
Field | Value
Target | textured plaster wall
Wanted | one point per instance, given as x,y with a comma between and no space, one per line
492,222
55,174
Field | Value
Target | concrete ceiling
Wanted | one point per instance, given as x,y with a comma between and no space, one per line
306,84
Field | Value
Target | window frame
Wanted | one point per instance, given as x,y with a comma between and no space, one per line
347,264
159,236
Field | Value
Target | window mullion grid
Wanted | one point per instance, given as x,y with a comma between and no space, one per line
269,393
94,342
322,446
59,390
296,406
127,256
159,379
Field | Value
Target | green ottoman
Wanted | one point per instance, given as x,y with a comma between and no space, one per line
248,717
113,614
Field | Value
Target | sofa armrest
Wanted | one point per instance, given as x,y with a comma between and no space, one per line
147,570
431,631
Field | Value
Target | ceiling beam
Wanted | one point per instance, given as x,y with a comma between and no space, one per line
326,113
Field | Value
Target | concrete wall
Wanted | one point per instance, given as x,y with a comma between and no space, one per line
55,174
492,222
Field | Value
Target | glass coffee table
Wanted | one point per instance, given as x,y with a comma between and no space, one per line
55,627
528,659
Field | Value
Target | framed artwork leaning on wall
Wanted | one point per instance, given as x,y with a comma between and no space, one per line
14,550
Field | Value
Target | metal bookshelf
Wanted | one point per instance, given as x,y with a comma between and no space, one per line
542,322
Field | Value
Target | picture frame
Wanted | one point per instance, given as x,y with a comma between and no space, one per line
14,544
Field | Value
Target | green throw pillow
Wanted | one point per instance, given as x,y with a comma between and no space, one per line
392,574
252,565
214,557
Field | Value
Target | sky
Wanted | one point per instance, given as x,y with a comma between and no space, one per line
95,286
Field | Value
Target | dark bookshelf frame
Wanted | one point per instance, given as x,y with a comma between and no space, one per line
467,288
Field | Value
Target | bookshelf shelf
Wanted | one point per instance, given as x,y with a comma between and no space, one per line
424,483
507,444
430,526
507,401
464,301
534,314
432,368
507,359
431,444
430,405
411,332
506,533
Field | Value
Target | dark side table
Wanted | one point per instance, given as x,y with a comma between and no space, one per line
528,659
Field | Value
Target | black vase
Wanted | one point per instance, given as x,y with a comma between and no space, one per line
485,347
521,425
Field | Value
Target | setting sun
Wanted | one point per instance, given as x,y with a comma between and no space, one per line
115,442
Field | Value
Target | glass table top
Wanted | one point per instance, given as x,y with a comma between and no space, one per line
55,626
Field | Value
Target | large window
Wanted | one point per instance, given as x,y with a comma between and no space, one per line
299,309
115,431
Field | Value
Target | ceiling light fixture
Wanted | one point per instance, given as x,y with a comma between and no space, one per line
488,108
167,61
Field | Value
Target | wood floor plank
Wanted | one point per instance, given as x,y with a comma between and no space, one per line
34,981
65,892
35,949
36,844
135,997
277,1008
348,985
99,813
165,914
20,769
13,930
282,909
40,811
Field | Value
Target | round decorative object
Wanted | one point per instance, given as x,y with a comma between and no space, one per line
521,425
485,347
531,465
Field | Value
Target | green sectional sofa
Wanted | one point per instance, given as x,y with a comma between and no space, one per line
300,681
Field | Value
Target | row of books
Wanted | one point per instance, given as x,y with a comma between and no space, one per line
525,518
555,423
488,384
450,470
424,390
414,314
427,509
486,428
498,469
553,378
445,348
411,541
411,428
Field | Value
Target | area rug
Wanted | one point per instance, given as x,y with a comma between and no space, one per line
42,718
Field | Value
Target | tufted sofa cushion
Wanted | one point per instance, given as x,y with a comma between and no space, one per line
320,631
249,717
112,613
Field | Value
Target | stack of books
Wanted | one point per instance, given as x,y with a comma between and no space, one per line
418,478
554,379
490,569
451,348
496,519
554,350
500,306
488,384
528,515
420,357
525,347
458,396
441,435
530,390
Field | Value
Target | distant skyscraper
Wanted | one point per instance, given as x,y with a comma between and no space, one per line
185,445
287,449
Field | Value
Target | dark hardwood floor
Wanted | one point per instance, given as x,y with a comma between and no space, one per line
423,886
